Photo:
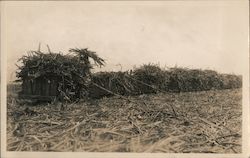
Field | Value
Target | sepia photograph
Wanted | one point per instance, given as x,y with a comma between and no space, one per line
169,78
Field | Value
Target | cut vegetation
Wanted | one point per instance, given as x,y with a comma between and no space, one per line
198,122
148,109
69,77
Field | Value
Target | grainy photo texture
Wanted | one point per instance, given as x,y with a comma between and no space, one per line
163,77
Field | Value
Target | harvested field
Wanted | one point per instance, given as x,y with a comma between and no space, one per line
190,122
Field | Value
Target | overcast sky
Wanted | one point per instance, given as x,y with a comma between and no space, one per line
207,35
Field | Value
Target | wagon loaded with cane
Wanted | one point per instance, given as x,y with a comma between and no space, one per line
54,76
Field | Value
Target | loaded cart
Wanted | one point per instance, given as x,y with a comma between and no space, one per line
54,76
41,88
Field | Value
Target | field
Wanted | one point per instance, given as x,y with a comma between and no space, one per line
186,122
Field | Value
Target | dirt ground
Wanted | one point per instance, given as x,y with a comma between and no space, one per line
200,122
